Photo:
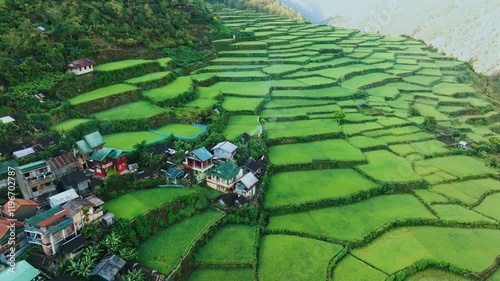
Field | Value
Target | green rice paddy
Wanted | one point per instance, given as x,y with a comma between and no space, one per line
101,93
134,110
127,141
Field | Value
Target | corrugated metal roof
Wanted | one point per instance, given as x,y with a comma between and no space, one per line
107,152
23,152
249,180
226,146
7,119
83,147
32,166
80,63
34,221
4,166
226,170
108,267
94,139
24,272
63,160
63,197
18,203
202,154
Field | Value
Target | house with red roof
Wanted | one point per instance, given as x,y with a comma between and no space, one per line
20,209
80,66
12,240
50,229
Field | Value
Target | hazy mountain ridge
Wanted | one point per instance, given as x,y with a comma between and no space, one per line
468,30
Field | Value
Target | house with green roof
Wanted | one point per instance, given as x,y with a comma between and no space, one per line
92,155
224,176
36,179
23,271
4,171
50,229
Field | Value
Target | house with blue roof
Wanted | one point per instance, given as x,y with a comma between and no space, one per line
200,160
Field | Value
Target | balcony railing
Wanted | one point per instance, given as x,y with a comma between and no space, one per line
41,178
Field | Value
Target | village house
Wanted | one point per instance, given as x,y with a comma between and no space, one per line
77,180
50,229
92,155
7,119
463,144
200,160
73,247
80,66
23,272
20,209
19,240
36,179
253,166
84,210
4,172
224,176
108,269
225,150
246,185
63,197
64,164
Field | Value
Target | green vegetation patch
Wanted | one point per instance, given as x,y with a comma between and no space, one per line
284,103
351,129
388,167
328,150
69,124
163,250
365,142
305,186
453,89
435,275
102,93
430,197
406,138
354,221
277,69
363,81
451,212
290,258
135,203
422,80
351,268
231,244
212,274
133,110
127,140
119,65
256,89
402,247
324,93
458,165
239,124
239,104
490,206
300,128
298,111
148,77
429,147
176,129
171,90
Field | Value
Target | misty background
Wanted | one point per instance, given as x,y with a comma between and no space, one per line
466,29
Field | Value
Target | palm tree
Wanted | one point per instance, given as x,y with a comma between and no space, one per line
112,243
92,251
134,275
82,267
127,253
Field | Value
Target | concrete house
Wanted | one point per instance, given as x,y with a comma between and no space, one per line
225,150
50,229
19,245
246,185
80,66
64,164
224,176
200,160
84,210
36,179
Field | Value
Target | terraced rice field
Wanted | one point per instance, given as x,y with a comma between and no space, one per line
376,182
69,124
127,141
111,66
134,110
101,93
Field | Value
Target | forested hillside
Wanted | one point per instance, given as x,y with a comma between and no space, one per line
72,29
267,6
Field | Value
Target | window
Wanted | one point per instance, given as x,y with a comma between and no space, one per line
34,189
